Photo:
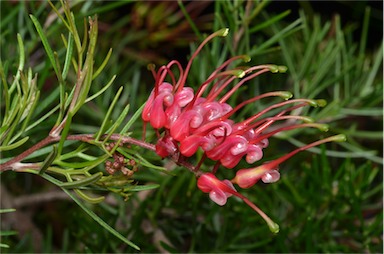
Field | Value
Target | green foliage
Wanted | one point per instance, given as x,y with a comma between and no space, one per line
344,73
70,104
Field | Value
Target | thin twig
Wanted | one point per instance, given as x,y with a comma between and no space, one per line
80,137
89,138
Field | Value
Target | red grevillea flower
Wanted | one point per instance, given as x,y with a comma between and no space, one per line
186,121
219,191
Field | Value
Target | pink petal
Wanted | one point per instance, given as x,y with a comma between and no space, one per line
182,126
236,144
271,176
184,97
254,153
230,161
246,178
219,197
190,144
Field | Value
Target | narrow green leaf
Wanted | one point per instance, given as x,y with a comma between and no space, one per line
108,114
8,233
144,187
100,221
59,76
188,17
291,28
46,45
362,112
48,160
364,33
6,94
72,28
68,56
8,210
133,119
83,164
100,69
92,200
365,134
378,60
41,119
83,182
14,145
85,35
74,153
117,123
102,90
65,132
269,21
310,49
59,14
88,64
54,62
362,154
33,104
21,59
106,7
13,111
14,119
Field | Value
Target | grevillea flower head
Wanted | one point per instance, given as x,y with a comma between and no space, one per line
186,121
268,172
219,191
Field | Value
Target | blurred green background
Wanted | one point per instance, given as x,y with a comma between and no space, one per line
327,200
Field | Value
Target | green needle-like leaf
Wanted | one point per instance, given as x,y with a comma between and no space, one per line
103,126
144,187
14,145
100,221
102,90
46,45
102,66
132,120
48,161
68,56
83,182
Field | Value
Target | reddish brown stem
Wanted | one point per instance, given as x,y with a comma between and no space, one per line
81,137
89,138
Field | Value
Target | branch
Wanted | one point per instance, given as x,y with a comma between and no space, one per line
88,138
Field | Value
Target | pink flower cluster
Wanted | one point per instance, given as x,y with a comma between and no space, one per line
201,120
192,121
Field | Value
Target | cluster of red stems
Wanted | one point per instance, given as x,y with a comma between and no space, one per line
186,121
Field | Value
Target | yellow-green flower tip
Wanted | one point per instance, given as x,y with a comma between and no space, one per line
340,138
318,103
274,227
151,66
321,103
223,32
246,58
282,68
308,119
323,127
239,73
286,95
313,103
273,68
